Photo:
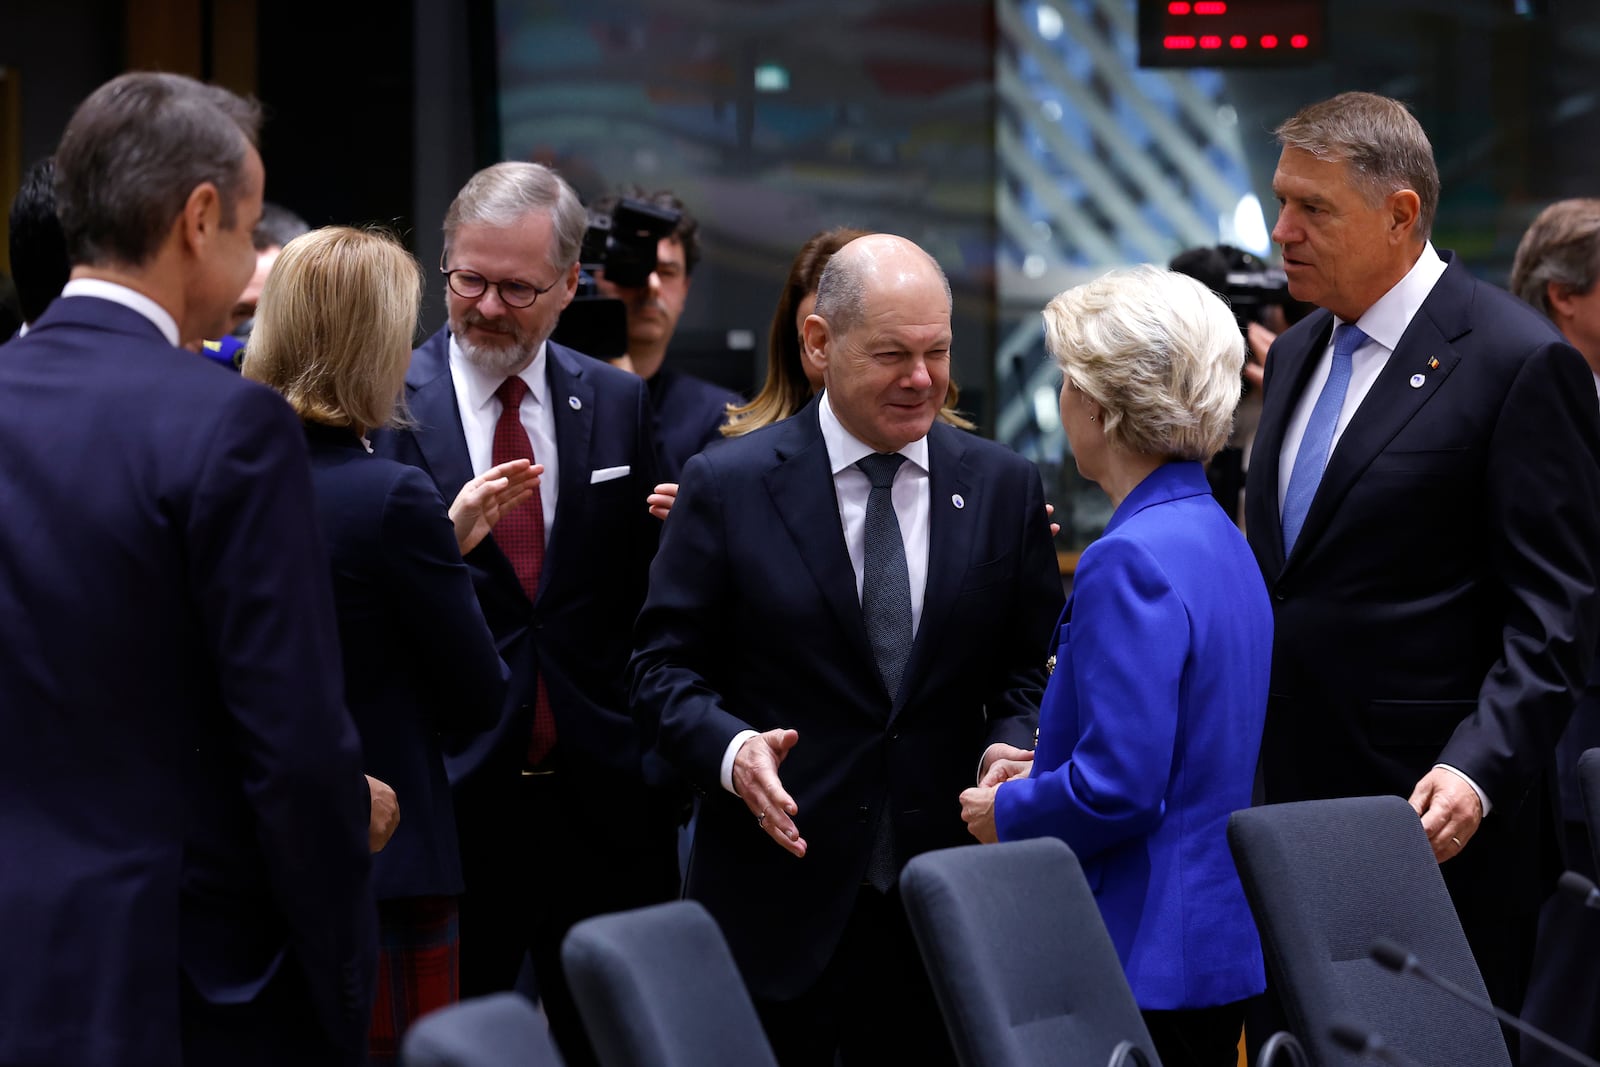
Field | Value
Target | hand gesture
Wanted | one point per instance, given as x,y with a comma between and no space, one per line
755,779
490,495
662,499
1450,811
977,811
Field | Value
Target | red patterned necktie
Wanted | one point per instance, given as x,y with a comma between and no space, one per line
520,535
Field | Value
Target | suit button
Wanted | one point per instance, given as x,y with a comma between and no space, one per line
861,813
894,735
1279,597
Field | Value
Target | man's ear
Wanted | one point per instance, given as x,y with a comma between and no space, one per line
201,218
1405,209
814,337
1560,298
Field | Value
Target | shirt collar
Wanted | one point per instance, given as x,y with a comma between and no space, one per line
159,316
481,384
845,449
1386,321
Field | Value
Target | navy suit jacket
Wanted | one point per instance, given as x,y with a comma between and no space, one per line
1148,739
689,415
1441,602
753,622
419,660
180,785
596,563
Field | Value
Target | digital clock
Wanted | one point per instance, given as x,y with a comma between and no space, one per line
1231,33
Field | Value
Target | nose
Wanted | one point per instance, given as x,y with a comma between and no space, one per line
919,377
490,306
1283,231
654,284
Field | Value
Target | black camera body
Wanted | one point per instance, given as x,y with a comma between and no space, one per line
1251,292
623,243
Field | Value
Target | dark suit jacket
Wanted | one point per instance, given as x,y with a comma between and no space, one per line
180,784
753,621
418,658
596,564
1440,604
689,415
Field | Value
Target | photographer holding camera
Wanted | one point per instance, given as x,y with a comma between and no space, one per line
688,410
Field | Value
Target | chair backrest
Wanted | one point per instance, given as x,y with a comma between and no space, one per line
501,1030
1019,957
657,987
1589,782
1327,878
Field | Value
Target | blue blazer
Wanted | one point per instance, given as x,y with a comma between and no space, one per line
181,797
754,621
418,658
689,416
578,631
1148,738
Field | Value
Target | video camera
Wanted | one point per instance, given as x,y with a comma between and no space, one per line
622,243
1248,285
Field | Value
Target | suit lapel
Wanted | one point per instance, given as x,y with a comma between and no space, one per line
1291,372
801,487
431,396
1392,401
950,541
571,399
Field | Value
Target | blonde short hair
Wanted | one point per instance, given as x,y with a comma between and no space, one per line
1159,352
334,326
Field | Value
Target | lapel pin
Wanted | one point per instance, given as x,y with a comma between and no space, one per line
1433,364
574,403
1417,380
957,501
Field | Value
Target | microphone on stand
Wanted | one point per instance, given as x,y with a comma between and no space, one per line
1580,889
1364,1042
1392,956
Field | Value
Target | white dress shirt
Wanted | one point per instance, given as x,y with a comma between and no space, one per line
1384,323
851,487
480,410
128,298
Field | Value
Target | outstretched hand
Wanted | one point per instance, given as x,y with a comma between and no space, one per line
755,779
482,501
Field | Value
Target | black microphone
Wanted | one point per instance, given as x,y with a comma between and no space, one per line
1580,889
1364,1042
1397,959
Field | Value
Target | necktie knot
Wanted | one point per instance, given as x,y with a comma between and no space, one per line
1346,339
880,468
511,392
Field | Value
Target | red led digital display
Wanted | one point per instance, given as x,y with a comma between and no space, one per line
1231,33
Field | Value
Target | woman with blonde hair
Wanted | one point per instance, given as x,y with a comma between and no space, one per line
1152,717
333,334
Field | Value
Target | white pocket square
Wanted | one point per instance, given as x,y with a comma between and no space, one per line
606,474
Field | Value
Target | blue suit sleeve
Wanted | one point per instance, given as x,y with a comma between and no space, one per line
433,594
1124,661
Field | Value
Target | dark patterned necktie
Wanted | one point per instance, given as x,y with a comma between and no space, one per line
885,581
520,535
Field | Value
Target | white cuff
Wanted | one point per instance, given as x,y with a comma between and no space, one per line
733,750
1483,798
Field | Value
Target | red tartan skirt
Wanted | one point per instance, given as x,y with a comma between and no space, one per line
419,968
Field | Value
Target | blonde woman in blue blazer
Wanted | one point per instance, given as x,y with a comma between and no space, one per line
1151,722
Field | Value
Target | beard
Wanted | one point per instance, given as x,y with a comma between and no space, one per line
512,350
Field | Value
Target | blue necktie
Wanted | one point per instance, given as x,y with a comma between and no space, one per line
1318,439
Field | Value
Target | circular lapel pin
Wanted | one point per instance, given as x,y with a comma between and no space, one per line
1417,380
574,403
958,502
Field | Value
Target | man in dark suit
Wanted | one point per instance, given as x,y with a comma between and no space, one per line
864,597
1425,505
1557,270
182,808
543,798
38,249
689,411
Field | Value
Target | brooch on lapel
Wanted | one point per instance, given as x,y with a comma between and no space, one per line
1050,665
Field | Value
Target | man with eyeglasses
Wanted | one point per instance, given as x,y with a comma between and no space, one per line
556,819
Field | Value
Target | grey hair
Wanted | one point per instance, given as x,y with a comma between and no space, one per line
135,150
842,288
1383,143
502,194
1561,247
1159,352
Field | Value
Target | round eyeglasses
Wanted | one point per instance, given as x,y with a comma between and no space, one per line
470,285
